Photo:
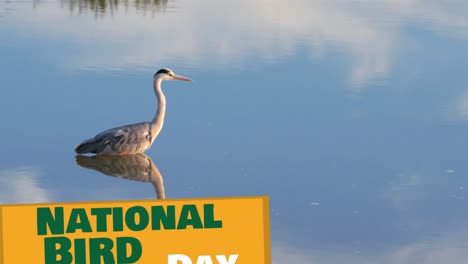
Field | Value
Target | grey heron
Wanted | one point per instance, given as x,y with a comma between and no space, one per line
134,138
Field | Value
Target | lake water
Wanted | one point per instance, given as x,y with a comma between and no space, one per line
351,115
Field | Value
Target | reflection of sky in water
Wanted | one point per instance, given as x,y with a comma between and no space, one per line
350,115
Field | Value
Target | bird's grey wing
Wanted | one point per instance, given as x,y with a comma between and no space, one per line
125,139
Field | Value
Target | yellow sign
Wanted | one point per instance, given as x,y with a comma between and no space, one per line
195,231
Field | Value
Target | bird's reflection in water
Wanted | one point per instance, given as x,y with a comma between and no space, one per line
138,167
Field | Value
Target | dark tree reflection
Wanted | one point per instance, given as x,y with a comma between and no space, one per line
103,7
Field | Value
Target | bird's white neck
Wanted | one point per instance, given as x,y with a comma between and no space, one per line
158,120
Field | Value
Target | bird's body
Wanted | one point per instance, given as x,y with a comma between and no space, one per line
129,139
134,138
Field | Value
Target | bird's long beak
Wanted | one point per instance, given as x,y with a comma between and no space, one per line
181,78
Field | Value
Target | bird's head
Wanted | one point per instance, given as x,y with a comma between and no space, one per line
167,74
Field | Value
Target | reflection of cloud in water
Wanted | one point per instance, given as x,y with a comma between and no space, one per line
448,247
283,254
21,185
461,108
224,33
418,190
405,189
456,107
